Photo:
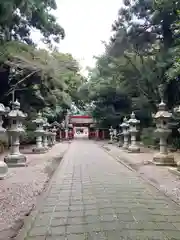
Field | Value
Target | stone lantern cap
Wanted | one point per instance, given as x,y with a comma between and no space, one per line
177,109
46,124
62,124
56,124
3,109
133,120
39,119
16,113
125,123
54,129
111,129
162,113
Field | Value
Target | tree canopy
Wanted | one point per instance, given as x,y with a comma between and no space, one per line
19,17
142,53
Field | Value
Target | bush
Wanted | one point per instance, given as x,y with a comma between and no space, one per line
148,137
175,143
28,138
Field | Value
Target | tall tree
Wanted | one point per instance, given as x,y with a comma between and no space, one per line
19,17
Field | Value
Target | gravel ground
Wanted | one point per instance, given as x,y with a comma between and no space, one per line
159,176
19,190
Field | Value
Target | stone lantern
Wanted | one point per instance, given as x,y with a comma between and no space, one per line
133,122
111,135
162,119
58,128
50,138
3,165
15,130
39,133
70,131
53,135
120,137
114,134
125,133
46,126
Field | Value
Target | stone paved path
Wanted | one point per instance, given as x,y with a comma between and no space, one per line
94,197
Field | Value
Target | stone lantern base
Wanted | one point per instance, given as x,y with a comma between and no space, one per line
133,149
120,144
175,171
40,150
15,160
3,169
163,159
125,146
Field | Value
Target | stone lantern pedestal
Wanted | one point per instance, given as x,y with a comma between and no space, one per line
46,134
162,118
54,131
66,134
120,137
15,130
111,135
50,139
133,122
115,138
39,133
174,170
3,165
125,133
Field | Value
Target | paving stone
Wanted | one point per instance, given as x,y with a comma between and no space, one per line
173,219
93,227
125,217
58,230
61,208
177,225
58,222
76,214
143,235
94,197
75,229
38,231
97,236
91,212
42,222
60,214
141,226
106,226
37,238
77,237
76,220
166,226
92,219
108,218
173,235
56,238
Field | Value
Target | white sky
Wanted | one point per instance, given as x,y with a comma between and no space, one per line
86,24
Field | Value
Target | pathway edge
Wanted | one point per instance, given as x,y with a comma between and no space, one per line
28,221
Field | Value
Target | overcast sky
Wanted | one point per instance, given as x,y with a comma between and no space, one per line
86,23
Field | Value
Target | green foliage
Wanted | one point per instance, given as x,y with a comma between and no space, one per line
148,137
19,17
49,80
142,54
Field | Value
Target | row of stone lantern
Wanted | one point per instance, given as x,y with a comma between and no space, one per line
129,128
45,136
162,119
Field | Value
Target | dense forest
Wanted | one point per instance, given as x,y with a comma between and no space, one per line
142,53
44,80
